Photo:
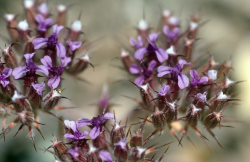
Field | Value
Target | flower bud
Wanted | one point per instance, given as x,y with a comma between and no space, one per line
127,59
121,150
20,103
136,139
193,115
117,133
137,153
61,14
92,155
148,96
61,150
51,99
75,30
11,22
9,56
158,119
79,65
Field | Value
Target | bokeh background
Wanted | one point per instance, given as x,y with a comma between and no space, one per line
110,23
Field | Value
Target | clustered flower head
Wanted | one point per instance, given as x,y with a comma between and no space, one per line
173,86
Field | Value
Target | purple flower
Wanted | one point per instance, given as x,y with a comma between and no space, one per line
3,78
176,73
105,156
138,44
43,9
56,71
164,90
144,72
74,153
161,54
30,68
202,96
38,88
51,42
74,45
195,78
96,122
171,34
43,24
78,135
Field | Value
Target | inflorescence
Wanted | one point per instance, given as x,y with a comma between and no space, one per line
193,89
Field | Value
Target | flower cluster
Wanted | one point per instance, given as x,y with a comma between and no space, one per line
189,93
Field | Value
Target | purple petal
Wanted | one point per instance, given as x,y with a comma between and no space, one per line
65,61
39,42
105,156
43,69
122,143
67,123
47,62
202,80
83,135
166,30
54,82
152,37
139,80
18,72
74,45
182,62
202,96
164,90
163,70
39,18
57,29
60,50
83,121
70,136
108,115
48,22
161,54
74,126
183,81
74,153
4,83
194,74
7,72
152,65
38,88
94,132
28,57
135,69
140,53
132,41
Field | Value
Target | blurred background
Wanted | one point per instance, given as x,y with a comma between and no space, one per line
110,23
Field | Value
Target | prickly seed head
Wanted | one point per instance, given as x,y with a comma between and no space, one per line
158,119
61,150
20,103
137,153
117,133
136,139
51,99
121,150
148,96
26,117
212,120
92,155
